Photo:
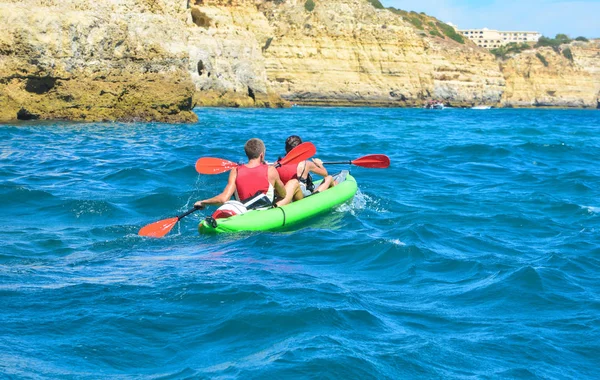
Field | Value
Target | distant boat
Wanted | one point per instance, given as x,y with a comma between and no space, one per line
481,107
436,106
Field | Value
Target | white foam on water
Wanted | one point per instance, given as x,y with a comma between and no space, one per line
361,201
591,209
397,242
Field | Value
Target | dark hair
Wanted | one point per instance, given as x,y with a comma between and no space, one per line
292,142
253,148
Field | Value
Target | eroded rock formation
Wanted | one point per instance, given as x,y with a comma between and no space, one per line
546,77
155,59
95,60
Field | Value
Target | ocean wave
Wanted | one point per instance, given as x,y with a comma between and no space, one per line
591,209
19,194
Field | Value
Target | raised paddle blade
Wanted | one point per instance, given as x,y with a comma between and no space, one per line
300,153
210,165
158,229
377,161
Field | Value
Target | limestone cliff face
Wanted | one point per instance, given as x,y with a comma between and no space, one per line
95,60
226,61
545,77
465,75
155,59
344,52
347,52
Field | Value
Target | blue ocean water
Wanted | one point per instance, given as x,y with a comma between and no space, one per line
475,255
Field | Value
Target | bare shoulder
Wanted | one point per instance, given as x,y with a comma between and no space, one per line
233,175
273,172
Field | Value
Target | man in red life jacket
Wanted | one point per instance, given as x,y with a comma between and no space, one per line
249,180
296,177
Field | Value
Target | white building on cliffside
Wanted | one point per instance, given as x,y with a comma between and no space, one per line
492,39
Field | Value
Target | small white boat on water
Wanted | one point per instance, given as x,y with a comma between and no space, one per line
434,106
481,107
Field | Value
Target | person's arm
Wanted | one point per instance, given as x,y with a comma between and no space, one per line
224,196
276,181
317,167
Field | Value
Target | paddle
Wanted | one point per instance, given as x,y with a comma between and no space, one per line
377,161
163,227
301,152
210,165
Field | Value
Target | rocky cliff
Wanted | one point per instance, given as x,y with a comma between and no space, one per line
95,60
155,59
547,77
227,65
342,52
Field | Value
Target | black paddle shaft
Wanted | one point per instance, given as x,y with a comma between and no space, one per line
338,163
188,212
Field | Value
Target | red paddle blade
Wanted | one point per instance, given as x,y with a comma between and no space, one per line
377,161
210,165
300,153
158,229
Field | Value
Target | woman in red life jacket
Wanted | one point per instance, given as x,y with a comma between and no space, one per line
289,177
249,180
301,173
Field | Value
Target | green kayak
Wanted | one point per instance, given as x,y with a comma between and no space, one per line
295,212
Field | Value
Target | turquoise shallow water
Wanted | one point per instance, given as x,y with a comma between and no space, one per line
476,255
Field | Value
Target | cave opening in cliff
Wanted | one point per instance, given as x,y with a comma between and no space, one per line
200,67
24,114
251,94
199,18
40,85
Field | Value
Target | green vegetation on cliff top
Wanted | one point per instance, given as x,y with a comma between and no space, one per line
509,49
568,54
309,5
542,59
376,4
436,28
553,42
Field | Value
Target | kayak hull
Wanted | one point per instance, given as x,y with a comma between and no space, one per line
288,215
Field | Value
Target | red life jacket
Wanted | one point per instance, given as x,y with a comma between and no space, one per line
250,181
288,172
